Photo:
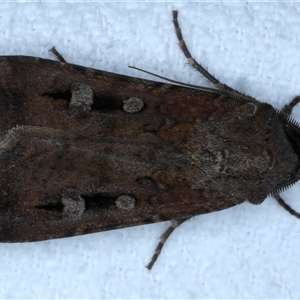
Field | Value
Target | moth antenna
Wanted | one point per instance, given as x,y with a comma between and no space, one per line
191,61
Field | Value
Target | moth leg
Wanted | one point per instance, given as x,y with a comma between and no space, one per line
286,206
287,109
57,54
192,61
163,239
223,88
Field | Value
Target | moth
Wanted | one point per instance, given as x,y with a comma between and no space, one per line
83,150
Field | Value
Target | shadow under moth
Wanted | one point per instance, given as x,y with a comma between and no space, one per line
83,150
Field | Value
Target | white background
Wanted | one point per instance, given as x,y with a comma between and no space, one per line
244,252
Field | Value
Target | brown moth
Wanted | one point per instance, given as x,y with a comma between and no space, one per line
83,150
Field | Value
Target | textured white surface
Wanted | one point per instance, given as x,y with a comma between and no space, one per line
244,252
